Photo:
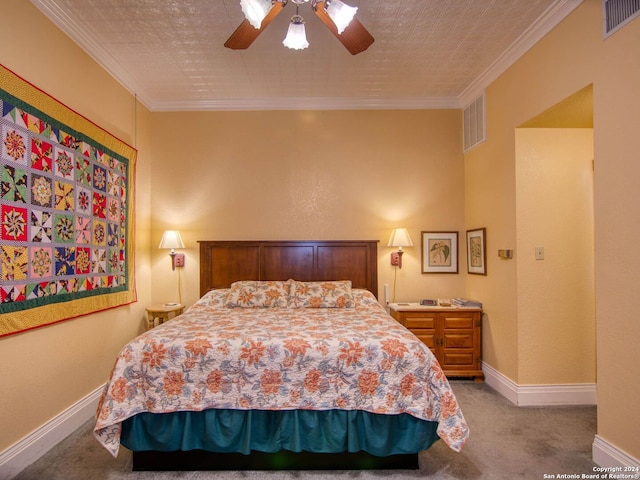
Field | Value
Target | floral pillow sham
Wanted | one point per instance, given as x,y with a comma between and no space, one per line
262,294
335,294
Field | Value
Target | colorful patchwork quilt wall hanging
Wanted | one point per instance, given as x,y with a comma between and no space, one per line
66,211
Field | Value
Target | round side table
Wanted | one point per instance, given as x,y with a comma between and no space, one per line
162,312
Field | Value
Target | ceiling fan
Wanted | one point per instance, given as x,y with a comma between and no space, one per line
338,17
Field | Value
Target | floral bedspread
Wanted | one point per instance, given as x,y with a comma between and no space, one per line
279,358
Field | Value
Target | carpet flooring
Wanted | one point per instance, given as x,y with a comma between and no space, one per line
506,442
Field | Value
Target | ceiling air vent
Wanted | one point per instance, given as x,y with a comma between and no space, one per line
617,13
474,123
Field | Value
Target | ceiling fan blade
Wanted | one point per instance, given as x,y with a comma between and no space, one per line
245,34
356,38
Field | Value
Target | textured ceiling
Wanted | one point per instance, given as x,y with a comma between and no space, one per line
427,53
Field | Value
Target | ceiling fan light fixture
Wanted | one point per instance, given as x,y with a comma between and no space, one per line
334,14
341,14
255,11
296,38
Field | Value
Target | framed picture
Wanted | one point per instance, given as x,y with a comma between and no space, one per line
477,251
439,252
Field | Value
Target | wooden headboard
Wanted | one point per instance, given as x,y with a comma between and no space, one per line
224,262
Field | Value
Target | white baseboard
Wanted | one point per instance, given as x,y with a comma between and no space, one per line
609,456
540,395
604,454
22,454
501,384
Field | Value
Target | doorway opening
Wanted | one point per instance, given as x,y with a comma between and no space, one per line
555,245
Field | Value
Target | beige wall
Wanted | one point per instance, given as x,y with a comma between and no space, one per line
45,371
307,175
571,57
617,170
554,209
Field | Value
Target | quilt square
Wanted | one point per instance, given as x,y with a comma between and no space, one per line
83,260
84,170
64,196
83,230
113,209
83,201
99,233
13,293
113,183
63,163
13,184
14,264
14,223
41,226
41,191
99,178
41,155
63,228
112,235
99,261
99,205
65,261
14,145
113,265
40,262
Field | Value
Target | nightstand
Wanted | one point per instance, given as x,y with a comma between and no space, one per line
162,312
453,334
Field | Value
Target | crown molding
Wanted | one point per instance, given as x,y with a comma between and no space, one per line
556,12
95,50
311,103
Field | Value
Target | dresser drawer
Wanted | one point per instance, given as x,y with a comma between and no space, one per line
459,321
459,359
458,340
419,320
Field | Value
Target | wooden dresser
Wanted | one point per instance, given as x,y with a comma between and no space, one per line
454,335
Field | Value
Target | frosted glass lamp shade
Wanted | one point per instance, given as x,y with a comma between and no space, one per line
255,11
341,14
296,38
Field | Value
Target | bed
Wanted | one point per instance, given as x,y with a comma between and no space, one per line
287,361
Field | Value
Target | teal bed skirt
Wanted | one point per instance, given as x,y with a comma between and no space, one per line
238,431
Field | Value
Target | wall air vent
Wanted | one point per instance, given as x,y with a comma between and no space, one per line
474,123
617,13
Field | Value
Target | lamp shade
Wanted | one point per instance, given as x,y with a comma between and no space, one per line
341,14
296,38
171,239
255,11
400,238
